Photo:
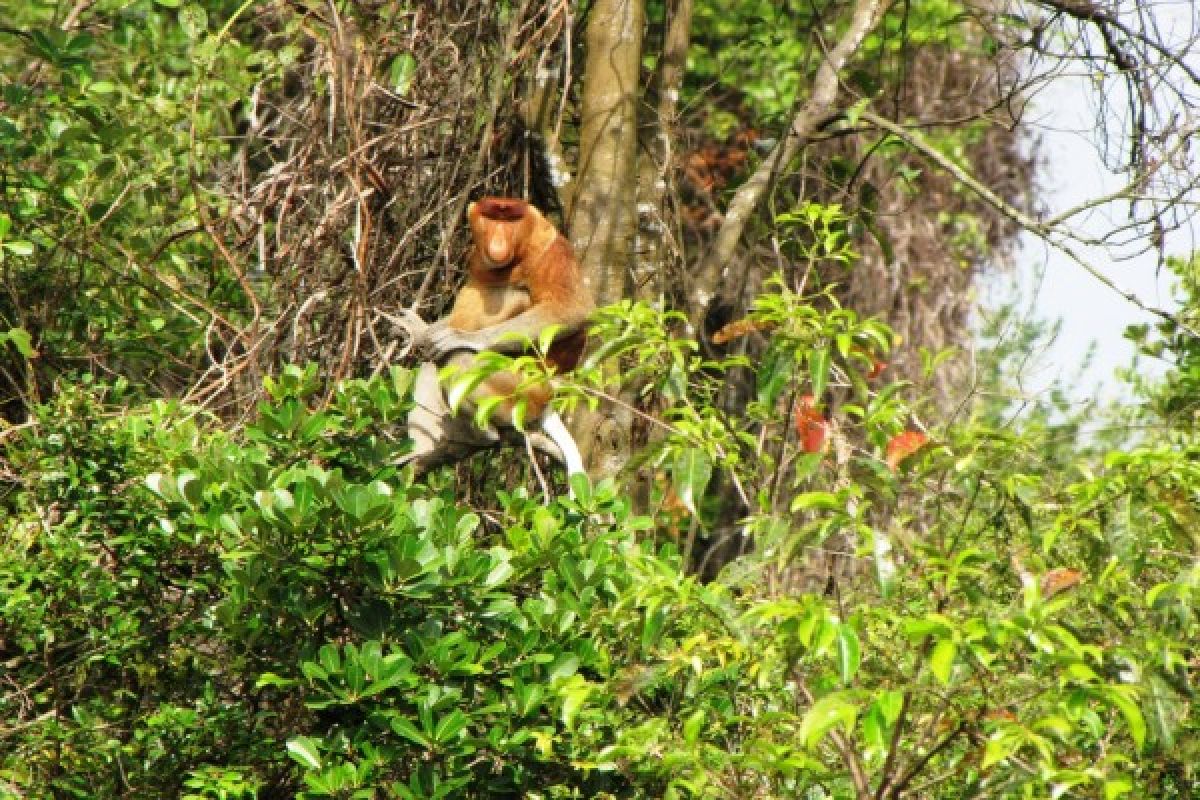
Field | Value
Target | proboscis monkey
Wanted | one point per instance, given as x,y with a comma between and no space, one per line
517,250
522,278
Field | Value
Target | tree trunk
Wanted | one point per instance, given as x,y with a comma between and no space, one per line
603,220
657,248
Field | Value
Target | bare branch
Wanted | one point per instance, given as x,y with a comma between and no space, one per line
812,115
1057,236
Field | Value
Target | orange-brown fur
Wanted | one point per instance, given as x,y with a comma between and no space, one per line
522,277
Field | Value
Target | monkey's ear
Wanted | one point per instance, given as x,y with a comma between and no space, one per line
471,209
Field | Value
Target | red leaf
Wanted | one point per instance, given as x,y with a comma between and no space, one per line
811,426
739,328
1059,580
903,445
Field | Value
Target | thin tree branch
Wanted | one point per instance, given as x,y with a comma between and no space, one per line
1054,235
815,112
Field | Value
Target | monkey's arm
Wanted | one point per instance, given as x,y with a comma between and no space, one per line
509,336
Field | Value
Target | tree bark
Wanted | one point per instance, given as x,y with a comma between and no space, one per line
655,178
815,112
603,220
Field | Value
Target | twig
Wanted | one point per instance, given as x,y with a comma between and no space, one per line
811,116
1052,235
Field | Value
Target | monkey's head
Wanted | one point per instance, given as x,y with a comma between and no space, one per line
503,229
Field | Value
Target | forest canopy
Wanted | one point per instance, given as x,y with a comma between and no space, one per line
828,546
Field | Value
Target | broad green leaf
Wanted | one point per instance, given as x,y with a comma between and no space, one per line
501,571
305,751
849,652
1000,745
774,374
400,73
564,667
1119,696
691,472
573,700
450,726
826,714
409,731
1117,787
941,661
194,20
19,247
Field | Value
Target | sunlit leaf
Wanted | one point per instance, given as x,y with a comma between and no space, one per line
849,652
818,370
941,660
691,471
826,714
305,751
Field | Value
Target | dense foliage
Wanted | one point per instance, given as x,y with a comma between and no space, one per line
193,613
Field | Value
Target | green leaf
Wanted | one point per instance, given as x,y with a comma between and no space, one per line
849,652
1001,745
194,20
501,571
20,339
461,386
826,714
409,731
305,751
564,667
400,73
19,247
574,695
271,679
1120,697
691,472
818,371
450,726
881,716
1116,787
826,501
693,725
774,374
941,662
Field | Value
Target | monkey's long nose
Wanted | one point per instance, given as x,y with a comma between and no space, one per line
499,253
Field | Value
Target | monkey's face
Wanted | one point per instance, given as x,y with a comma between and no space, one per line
500,228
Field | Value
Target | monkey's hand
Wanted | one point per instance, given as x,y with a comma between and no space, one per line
411,322
441,340
413,325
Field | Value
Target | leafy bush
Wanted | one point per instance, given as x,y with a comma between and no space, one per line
190,612
105,139
179,603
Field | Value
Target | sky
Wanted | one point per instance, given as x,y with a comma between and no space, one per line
1054,287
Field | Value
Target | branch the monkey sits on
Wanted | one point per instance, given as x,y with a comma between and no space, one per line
522,277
